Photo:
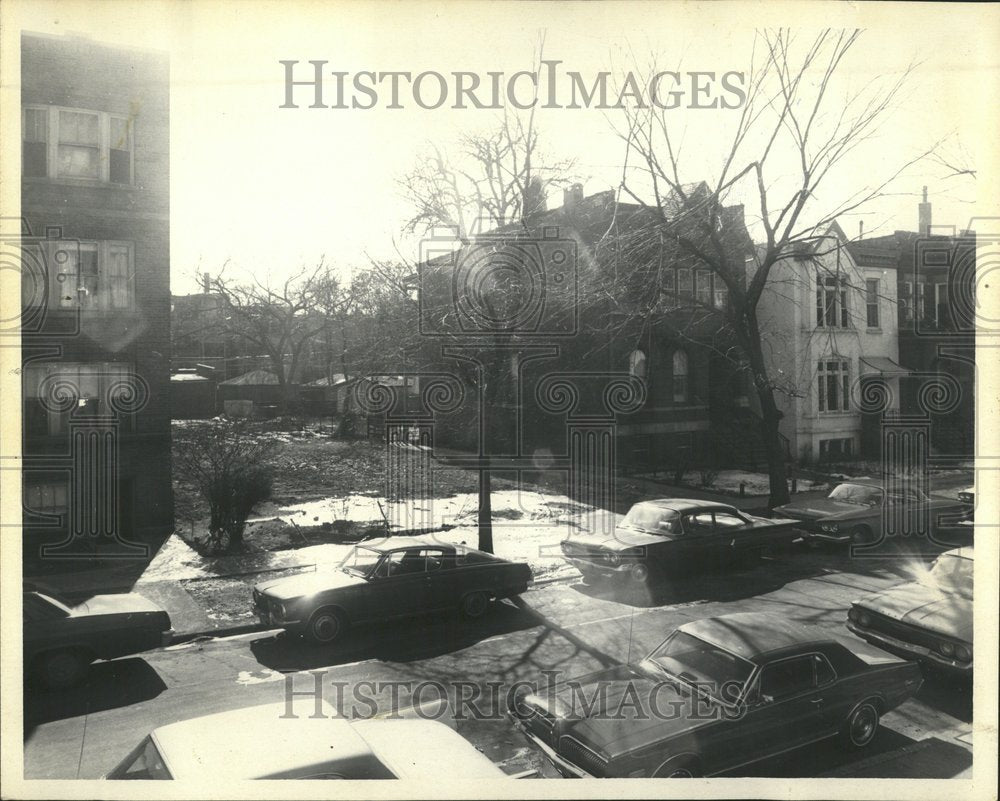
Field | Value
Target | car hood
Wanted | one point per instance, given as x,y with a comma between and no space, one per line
307,584
928,607
823,509
119,604
633,710
621,539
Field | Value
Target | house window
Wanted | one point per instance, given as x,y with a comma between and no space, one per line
940,304
637,364
835,447
906,302
89,275
680,377
871,301
720,294
832,310
47,407
833,388
77,144
684,287
703,287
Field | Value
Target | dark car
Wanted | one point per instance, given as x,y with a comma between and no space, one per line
388,578
717,694
929,619
60,640
658,534
855,511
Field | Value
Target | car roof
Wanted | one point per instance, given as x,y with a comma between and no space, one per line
685,504
258,741
753,635
385,544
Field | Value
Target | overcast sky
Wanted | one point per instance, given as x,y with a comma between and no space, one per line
271,189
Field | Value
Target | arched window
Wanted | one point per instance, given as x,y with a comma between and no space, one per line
637,364
680,377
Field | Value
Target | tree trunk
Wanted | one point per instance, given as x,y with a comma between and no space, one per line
770,416
485,512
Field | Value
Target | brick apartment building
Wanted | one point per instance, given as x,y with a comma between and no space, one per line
96,298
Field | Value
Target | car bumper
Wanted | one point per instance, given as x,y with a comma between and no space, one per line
566,768
167,637
910,650
269,618
605,569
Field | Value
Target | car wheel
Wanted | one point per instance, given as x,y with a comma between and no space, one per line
678,768
861,726
325,626
640,574
861,535
475,604
61,669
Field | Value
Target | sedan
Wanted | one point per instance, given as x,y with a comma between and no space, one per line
929,619
673,532
279,741
61,640
392,577
857,511
717,694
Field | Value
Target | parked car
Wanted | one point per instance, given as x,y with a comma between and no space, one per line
855,510
717,694
963,523
264,742
929,619
61,640
657,534
388,578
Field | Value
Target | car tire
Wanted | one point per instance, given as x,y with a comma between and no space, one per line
59,670
861,535
678,768
475,605
861,725
640,574
325,626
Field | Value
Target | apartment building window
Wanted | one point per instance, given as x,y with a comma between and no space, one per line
832,310
96,276
703,287
720,293
680,377
684,284
940,303
871,301
76,144
46,385
50,498
835,447
833,388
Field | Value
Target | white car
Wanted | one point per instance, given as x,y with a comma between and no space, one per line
260,742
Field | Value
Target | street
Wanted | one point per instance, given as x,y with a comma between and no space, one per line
565,626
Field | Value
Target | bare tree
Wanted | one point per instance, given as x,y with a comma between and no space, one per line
791,137
280,322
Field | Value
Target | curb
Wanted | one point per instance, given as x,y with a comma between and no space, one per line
229,631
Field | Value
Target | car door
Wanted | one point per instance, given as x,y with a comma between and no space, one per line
439,578
700,534
784,710
736,533
399,586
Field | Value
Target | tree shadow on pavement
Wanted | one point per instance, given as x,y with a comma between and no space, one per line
391,641
107,685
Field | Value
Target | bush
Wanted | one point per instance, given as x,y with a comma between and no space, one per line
227,463
707,476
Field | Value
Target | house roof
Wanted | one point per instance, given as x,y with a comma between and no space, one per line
253,378
328,381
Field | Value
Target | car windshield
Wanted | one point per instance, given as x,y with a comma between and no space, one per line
652,518
857,493
950,573
361,561
707,667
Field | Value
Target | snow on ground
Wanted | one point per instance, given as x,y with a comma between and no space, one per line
527,527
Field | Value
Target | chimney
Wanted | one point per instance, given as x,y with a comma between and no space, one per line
572,196
861,229
206,286
924,215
